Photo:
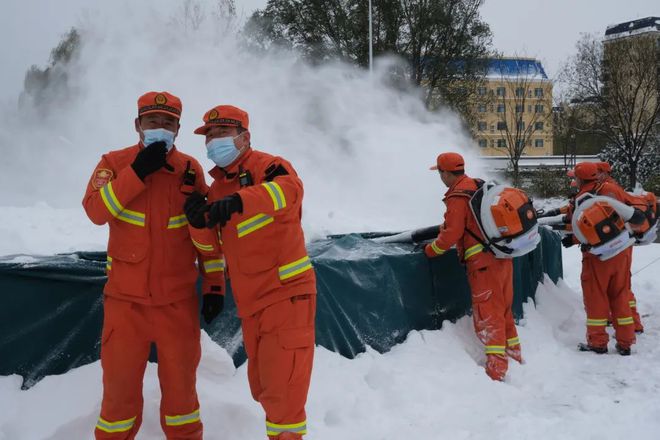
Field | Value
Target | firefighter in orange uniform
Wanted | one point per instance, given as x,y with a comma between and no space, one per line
256,203
605,284
605,170
150,296
490,279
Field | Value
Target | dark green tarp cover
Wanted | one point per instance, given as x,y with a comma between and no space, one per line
369,294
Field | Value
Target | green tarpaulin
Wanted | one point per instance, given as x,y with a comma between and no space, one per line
369,294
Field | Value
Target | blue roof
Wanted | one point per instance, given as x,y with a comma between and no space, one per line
516,67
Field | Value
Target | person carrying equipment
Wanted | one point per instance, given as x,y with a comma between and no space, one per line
468,222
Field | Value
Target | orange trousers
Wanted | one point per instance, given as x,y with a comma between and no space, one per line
492,297
279,341
639,327
606,290
128,331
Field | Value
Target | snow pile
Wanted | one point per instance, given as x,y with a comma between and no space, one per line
432,386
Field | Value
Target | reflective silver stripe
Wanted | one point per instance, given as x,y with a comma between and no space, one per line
513,341
295,268
276,193
119,426
436,249
252,224
184,419
275,429
214,266
177,222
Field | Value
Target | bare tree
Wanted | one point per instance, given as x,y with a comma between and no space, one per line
620,80
520,106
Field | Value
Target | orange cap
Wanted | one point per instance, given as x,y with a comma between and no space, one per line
226,115
449,162
604,167
159,102
586,171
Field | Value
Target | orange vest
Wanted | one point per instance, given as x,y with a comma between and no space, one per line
264,246
151,255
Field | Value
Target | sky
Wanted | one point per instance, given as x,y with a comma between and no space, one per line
539,28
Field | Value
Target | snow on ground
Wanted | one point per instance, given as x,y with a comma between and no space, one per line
430,387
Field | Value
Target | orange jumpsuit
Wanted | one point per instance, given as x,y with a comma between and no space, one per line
150,293
490,279
606,284
639,327
274,286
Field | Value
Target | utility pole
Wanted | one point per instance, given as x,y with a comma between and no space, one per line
371,42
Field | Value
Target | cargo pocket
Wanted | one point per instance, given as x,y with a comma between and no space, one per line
301,342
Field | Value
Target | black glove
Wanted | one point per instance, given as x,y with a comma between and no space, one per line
567,241
212,305
221,211
150,159
195,207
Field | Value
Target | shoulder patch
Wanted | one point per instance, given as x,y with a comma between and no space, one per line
101,177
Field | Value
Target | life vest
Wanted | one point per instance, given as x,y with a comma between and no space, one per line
646,232
600,223
506,219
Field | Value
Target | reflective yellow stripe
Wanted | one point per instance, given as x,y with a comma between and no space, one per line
203,247
632,304
184,419
625,321
108,263
297,267
177,222
473,250
253,224
274,429
117,210
597,322
436,249
132,217
513,341
276,193
120,426
211,266
495,349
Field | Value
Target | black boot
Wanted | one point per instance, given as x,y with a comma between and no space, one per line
586,347
622,351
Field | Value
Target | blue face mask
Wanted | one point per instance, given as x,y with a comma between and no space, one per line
158,135
222,151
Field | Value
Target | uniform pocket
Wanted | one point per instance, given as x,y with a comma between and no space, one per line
300,341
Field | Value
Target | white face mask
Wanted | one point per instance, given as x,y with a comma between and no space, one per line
158,135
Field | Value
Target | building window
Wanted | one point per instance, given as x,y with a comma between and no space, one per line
483,143
520,144
481,91
538,126
492,143
501,91
520,92
520,108
482,126
520,125
481,108
501,126
501,143
538,143
538,108
538,92
500,108
529,109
